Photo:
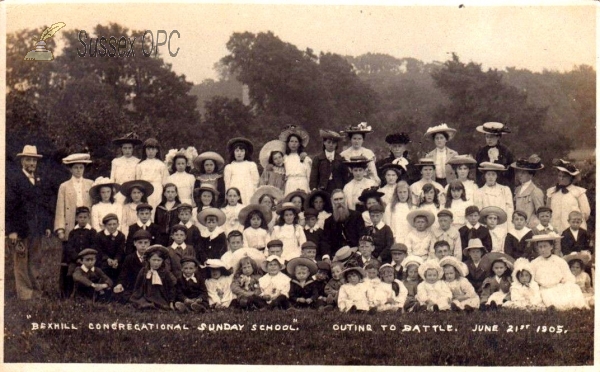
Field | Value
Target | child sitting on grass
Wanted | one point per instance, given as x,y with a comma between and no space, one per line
304,291
578,261
334,284
410,265
245,285
132,265
274,285
433,293
524,291
496,287
81,237
477,274
352,297
321,278
390,294
191,289
110,244
398,253
464,296
218,284
91,282
155,285
420,239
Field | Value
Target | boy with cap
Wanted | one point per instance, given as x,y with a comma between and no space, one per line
382,234
312,231
179,249
275,248
544,215
184,212
90,281
110,244
477,274
132,264
366,247
474,230
398,252
447,232
144,222
82,236
309,250
191,292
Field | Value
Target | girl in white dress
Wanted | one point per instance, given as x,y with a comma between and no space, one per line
463,166
397,211
241,173
153,170
492,194
103,197
136,192
456,202
289,231
297,164
256,218
123,168
232,211
391,175
182,179
357,137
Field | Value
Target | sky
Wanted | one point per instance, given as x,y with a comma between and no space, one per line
535,38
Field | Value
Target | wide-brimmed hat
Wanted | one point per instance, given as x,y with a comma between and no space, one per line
357,161
322,193
442,128
466,159
217,264
430,264
151,142
565,166
584,256
488,166
493,128
240,140
221,218
145,186
87,252
257,256
162,251
303,261
299,192
498,212
426,162
131,137
532,163
102,182
329,134
453,261
272,191
29,151
399,169
272,257
551,237
362,128
486,261
358,270
371,192
297,131
266,213
401,138
410,217
281,207
209,155
344,253
474,244
411,259
81,158
206,187
267,149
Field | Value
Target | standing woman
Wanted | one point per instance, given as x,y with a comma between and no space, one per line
565,197
462,166
493,194
242,172
210,168
397,143
297,164
357,137
328,170
123,168
441,134
528,196
153,170
495,152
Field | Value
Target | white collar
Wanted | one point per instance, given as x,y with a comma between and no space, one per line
519,234
574,232
85,269
109,234
525,185
541,227
175,245
313,229
476,226
380,225
212,235
86,227
142,225
188,224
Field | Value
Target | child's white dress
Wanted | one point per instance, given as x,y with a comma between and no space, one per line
585,283
242,175
231,218
256,238
395,218
292,237
275,285
185,186
458,208
439,293
155,172
462,287
418,243
384,298
388,191
525,297
99,210
297,173
219,291
353,295
557,283
123,170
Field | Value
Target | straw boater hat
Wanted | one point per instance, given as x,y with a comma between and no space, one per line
268,148
240,140
425,162
209,155
420,213
131,137
322,193
272,257
299,192
291,265
566,166
297,131
492,128
357,161
551,237
221,218
344,253
474,243
486,261
272,191
430,264
81,158
462,159
266,213
401,138
145,186
358,270
398,168
453,261
329,134
584,256
102,182
498,212
488,166
361,128
533,163
29,151
442,128
282,207
217,264
257,256
371,192
411,259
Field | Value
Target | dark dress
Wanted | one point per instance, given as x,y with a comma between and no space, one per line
411,175
129,246
153,296
165,219
505,157
211,249
517,249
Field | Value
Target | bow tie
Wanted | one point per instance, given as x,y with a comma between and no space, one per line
562,188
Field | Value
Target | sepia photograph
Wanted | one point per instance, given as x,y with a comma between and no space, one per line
287,184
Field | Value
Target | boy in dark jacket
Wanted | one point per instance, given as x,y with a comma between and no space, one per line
81,237
110,244
191,292
132,264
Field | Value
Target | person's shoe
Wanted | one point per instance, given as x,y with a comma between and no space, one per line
493,306
373,311
180,306
454,307
329,308
469,309
436,308
423,308
352,310
483,307
199,308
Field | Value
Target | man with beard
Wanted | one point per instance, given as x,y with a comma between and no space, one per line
398,143
343,227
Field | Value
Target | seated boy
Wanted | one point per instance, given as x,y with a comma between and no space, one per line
474,251
110,244
184,212
213,241
399,253
132,265
575,239
275,248
447,232
235,240
89,281
382,234
81,237
179,249
312,230
441,249
366,247
544,215
144,212
191,289
322,277
309,250
474,230
304,291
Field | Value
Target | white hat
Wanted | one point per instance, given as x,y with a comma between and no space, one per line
29,151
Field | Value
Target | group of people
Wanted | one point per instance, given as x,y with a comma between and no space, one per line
341,230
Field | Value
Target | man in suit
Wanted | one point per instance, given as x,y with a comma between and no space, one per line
342,228
328,170
29,203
